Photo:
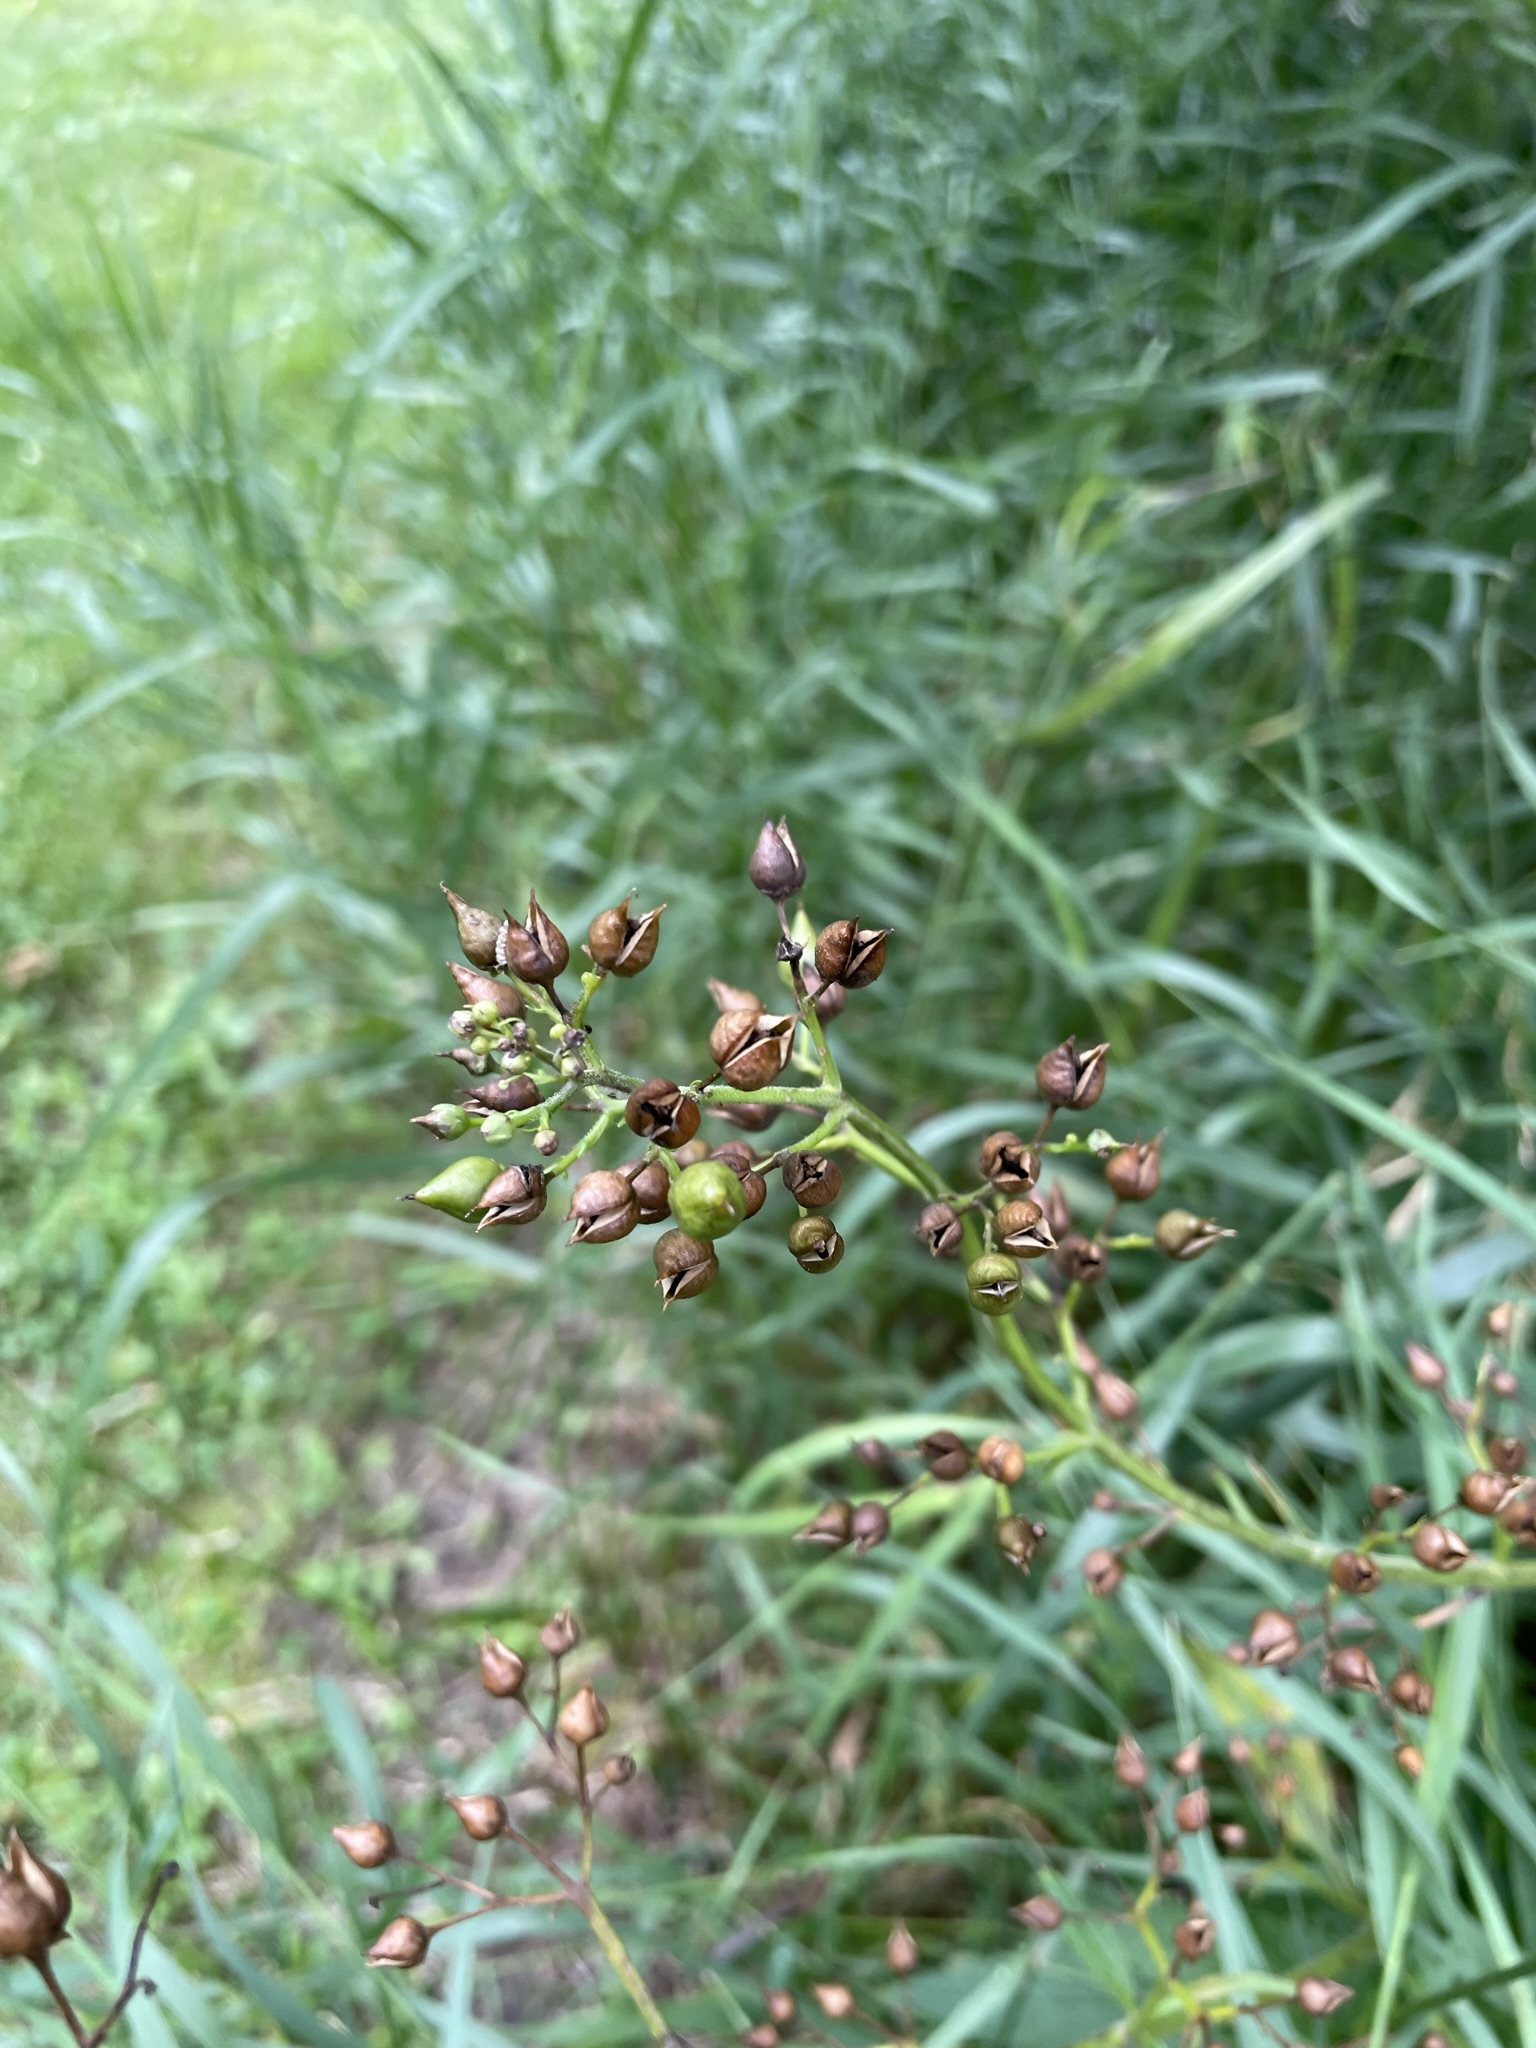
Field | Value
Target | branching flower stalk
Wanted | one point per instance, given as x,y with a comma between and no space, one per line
35,1909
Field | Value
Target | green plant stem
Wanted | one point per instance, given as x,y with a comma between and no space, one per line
622,1964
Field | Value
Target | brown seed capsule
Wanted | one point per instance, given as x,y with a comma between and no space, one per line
746,1116
814,1241
1506,1454
516,1196
1103,1572
1504,1383
1184,1236
659,1111
1130,1762
763,2035
1273,1639
1186,1761
1135,1172
1385,1498
940,1230
726,997
26,1923
1018,1539
1081,1260
1008,1163
619,1770
536,951
402,1946
901,1950
367,1843
603,1208
1413,1693
871,1526
1196,1936
653,1190
583,1718
1024,1230
1517,1517
831,1526
850,955
1233,1837
1485,1492
478,930
1058,1211
482,1815
752,1048
1193,1811
624,944
508,1095
1409,1759
1353,1669
1441,1549
1041,1913
812,1178
1352,1571
1069,1079
781,2005
835,2000
480,988
1424,1369
776,868
1117,1399
1320,1996
560,1634
1001,1459
735,1153
685,1266
946,1455
502,1671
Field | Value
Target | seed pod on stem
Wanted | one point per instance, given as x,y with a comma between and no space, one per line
781,2005
660,1112
560,1634
1069,1079
478,930
1506,1454
815,1243
1273,1639
1135,1172
1195,1936
1192,1812
1441,1549
1103,1572
776,868
402,1946
1184,1236
583,1718
537,951
835,2000
507,1095
831,1526
1001,1459
1023,1230
367,1843
1131,1766
1186,1761
514,1197
993,1283
622,944
502,1671
603,1208
1409,1759
845,953
1350,1667
1424,1368
1352,1571
946,1455
1011,1165
444,1120
1083,1261
1116,1399
505,1000
1041,1914
619,1770
1320,1996
1517,1517
871,1525
653,1190
460,1188
829,999
1485,1492
707,1199
482,1815
752,1048
940,1231
901,1950
812,1178
685,1266
1413,1693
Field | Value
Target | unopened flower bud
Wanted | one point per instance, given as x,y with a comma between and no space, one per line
1024,1230
831,1526
482,1815
560,1634
502,1671
812,1178
1506,1454
1081,1260
443,1120
1184,1236
1193,1811
871,1526
460,1188
1320,1996
622,943
603,1208
946,1455
849,955
506,1095
1409,1759
1195,1936
1018,1539
1001,1459
583,1718
1353,1669
1103,1572
1413,1692
1011,1165
781,2006
489,1001
1485,1492
1135,1172
939,1229
993,1284
402,1946
1069,1079
776,868
1186,1761
516,1196
1352,1571
1117,1400
478,930
546,1143
1130,1762
1441,1549
1041,1914
619,1770
815,1243
835,2000
659,1111
1273,1639
751,1047
901,1950
685,1266
536,951
367,1843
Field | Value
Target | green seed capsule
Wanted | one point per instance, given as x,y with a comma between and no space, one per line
993,1283
458,1188
708,1200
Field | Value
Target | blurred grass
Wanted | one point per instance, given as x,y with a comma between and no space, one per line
1077,461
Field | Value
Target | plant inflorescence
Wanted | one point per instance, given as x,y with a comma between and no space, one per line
35,1909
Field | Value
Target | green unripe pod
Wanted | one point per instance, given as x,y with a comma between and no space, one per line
993,1283
444,1120
458,1188
708,1200
496,1128
488,1014
482,1043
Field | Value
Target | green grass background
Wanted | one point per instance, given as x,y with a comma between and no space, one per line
1074,458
